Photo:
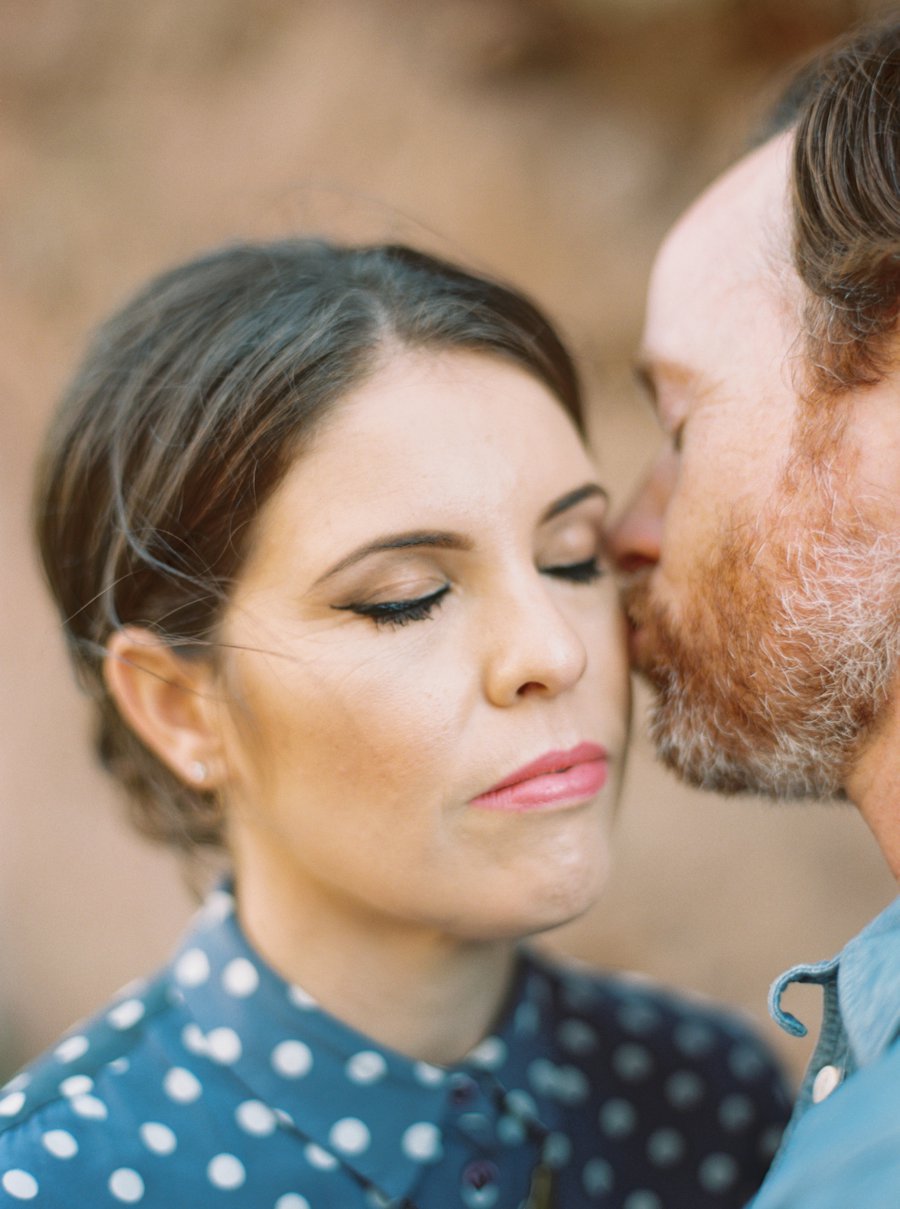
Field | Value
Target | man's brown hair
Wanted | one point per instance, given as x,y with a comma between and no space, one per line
844,109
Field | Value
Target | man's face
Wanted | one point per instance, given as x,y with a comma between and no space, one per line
763,550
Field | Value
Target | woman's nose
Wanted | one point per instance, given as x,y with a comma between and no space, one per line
635,539
533,650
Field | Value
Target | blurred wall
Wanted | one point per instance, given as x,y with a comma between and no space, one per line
550,141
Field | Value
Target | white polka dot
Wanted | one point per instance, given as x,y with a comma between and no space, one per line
571,1085
89,1107
617,1117
223,1045
126,1014
158,1137
218,906
76,1085
475,1125
118,1066
11,1104
489,1053
20,1184
577,1037
693,1038
180,1085
19,1083
665,1147
366,1067
638,1017
292,1059
717,1172
319,1158
193,1038
350,1136
510,1131
597,1177
378,1200
770,1141
683,1089
746,1061
485,1197
292,1200
579,995
72,1048
430,1075
632,1062
240,978
300,998
557,1150
226,1171
564,1083
522,1104
422,1142
126,1185
542,1076
642,1200
736,1112
192,968
256,1118
60,1143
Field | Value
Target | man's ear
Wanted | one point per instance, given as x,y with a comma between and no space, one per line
169,701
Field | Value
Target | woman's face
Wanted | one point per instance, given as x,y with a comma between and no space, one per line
421,616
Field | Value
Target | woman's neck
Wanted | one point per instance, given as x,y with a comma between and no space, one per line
416,990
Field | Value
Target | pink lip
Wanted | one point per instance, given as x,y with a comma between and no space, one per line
556,778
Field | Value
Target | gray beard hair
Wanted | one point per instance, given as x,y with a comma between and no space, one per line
813,666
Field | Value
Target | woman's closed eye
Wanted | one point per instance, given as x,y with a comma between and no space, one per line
586,571
397,612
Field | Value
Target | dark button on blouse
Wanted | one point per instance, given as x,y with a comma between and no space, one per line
219,1084
480,1172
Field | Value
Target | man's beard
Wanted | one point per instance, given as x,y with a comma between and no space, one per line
782,661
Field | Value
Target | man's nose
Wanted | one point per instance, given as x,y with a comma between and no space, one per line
635,539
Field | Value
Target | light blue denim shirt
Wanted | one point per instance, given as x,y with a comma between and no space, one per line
842,1147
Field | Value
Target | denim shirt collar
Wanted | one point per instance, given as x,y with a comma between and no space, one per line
866,978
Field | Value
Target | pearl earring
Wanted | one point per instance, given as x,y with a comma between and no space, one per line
198,771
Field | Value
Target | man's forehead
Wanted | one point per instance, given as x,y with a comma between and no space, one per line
728,250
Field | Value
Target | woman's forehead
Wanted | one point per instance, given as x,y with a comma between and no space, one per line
431,438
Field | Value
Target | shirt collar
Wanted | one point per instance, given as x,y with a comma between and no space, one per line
869,986
867,974
317,1073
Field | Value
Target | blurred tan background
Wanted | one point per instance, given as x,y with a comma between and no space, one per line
550,141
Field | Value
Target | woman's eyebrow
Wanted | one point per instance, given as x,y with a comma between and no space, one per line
399,541
445,540
571,498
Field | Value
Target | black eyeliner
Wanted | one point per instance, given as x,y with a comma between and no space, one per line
397,612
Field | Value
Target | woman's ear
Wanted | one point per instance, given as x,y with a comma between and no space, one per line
169,701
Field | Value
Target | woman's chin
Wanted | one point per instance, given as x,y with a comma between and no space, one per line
548,902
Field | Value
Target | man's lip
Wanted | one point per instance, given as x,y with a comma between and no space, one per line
550,762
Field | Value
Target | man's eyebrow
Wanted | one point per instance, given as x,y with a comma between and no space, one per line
650,372
571,498
399,541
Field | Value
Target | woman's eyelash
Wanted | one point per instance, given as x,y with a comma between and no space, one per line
401,612
398,612
578,573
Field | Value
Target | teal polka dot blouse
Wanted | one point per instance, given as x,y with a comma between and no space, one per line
219,1085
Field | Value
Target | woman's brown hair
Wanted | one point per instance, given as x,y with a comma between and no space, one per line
189,407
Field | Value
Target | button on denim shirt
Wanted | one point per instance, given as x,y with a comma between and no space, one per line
842,1148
